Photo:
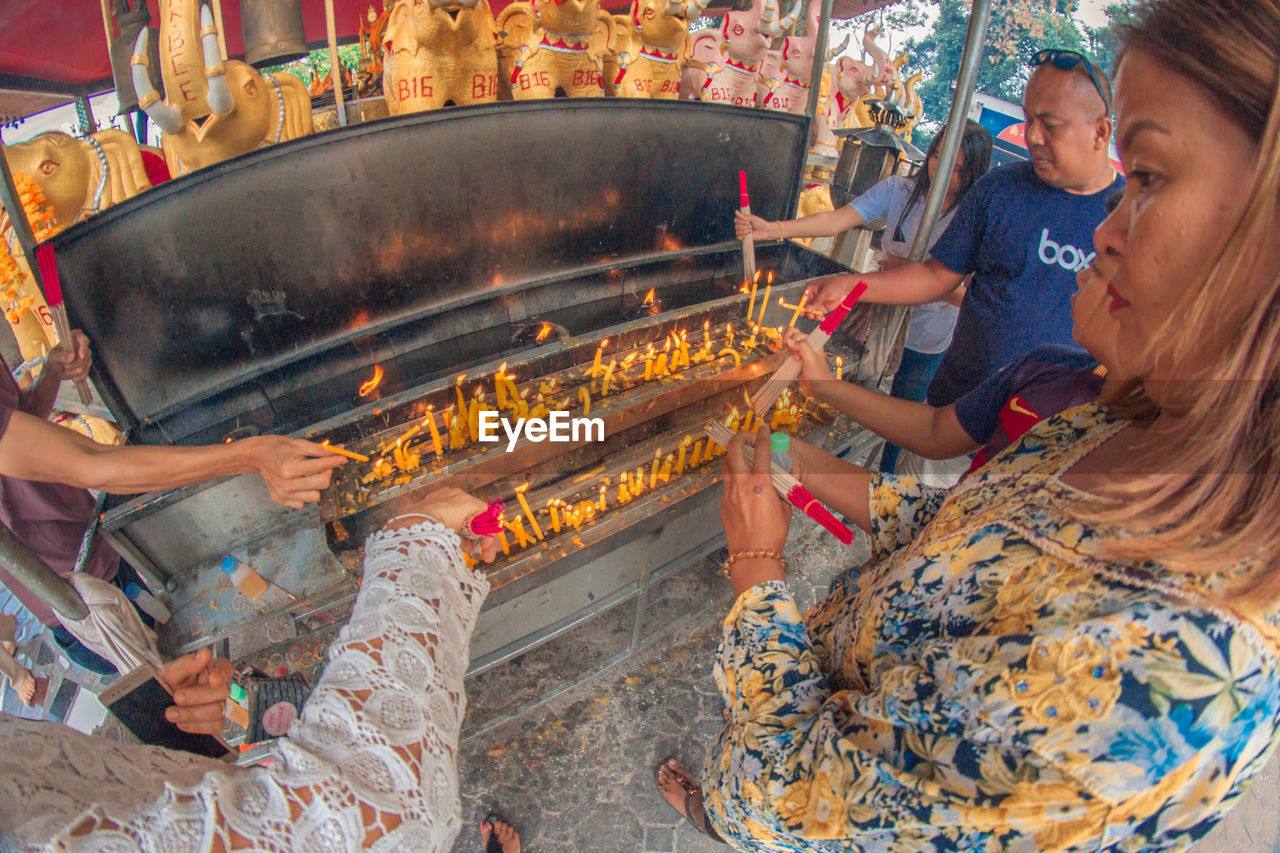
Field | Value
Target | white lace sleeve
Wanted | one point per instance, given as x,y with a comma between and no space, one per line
371,762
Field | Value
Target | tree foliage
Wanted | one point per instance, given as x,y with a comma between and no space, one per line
1018,28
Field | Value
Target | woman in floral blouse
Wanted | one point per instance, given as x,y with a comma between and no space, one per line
1079,646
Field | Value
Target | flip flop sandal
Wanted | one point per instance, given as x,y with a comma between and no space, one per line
494,845
690,790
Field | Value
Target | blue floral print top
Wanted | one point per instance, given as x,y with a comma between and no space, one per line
989,682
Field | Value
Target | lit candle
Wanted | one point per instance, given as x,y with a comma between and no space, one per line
601,503
728,330
623,494
751,305
648,363
732,421
554,510
804,297
473,415
665,471
764,303
706,332
500,386
697,454
516,526
839,367
462,403
684,447
502,540
430,421
584,397
522,407
639,486
748,420
653,471
660,369
528,511
454,422
595,365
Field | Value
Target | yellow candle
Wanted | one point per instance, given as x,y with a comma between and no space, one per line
473,415
584,397
601,503
748,420
430,421
623,494
728,330
608,376
653,472
502,539
595,365
697,454
665,471
516,526
764,303
528,511
462,403
732,421
452,423
751,306
684,447
359,457
500,386
660,369
706,332
804,297
737,359
639,486
553,506
839,367
648,363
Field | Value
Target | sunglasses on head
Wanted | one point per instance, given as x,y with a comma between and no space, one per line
1068,60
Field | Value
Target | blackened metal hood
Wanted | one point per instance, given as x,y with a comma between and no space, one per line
217,292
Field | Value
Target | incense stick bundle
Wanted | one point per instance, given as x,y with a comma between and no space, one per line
53,295
786,485
748,242
769,392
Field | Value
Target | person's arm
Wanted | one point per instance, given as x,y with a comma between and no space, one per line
934,433
393,689
62,364
826,224
909,284
34,449
956,296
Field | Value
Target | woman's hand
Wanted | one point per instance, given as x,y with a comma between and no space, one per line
295,470
67,363
827,292
201,684
754,517
453,508
814,373
745,224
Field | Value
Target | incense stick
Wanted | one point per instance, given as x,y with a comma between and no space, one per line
785,484
748,242
53,296
769,392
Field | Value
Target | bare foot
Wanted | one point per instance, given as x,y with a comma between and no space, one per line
25,686
682,793
501,831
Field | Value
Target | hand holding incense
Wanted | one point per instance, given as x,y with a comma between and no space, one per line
53,296
768,394
748,242
785,484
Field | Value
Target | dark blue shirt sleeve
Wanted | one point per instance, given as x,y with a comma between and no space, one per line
957,248
979,410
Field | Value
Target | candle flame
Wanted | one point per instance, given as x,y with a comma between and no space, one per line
755,279
523,487
502,369
688,440
769,279
543,332
461,376
706,325
648,297
374,381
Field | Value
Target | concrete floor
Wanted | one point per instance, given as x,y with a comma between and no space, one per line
576,774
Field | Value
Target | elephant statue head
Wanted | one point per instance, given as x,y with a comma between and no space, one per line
213,110
80,177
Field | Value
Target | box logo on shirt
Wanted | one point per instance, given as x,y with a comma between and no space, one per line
1066,256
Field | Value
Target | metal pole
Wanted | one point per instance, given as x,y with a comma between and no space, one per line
335,65
31,571
18,218
819,63
960,102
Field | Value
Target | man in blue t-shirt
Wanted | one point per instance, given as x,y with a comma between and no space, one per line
1023,232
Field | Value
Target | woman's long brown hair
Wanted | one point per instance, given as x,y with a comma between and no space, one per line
1208,499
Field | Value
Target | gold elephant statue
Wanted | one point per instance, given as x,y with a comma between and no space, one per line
658,48
81,177
554,48
439,53
213,110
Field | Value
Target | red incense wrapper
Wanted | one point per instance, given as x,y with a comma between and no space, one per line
743,200
804,500
49,275
837,315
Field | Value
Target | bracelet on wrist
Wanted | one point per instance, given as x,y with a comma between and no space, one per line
753,555
781,236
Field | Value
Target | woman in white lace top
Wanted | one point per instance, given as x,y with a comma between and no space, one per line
369,764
